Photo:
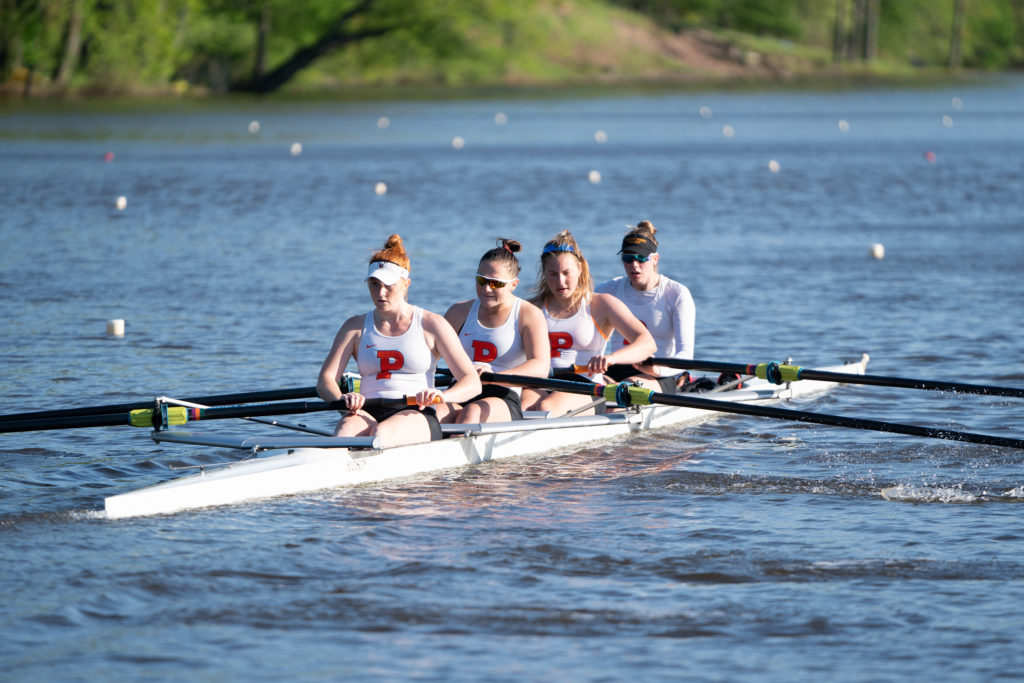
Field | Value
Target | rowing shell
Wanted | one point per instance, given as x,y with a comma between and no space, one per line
302,464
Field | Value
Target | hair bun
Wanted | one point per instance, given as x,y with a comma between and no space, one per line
394,252
511,245
647,225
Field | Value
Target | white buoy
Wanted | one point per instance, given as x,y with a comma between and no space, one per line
121,203
115,328
947,121
500,119
254,127
296,149
458,142
380,188
383,122
601,136
595,177
844,126
773,166
958,104
877,251
705,113
728,131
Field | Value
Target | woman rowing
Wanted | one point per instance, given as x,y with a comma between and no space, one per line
395,346
579,322
663,305
501,333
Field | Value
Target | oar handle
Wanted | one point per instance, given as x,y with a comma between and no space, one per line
406,400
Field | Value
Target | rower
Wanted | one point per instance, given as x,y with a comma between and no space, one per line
395,346
501,333
579,322
663,305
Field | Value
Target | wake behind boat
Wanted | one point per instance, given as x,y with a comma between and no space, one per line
301,464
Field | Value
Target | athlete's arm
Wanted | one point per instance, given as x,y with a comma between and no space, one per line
345,344
444,341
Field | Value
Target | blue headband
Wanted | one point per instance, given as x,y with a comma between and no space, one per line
551,248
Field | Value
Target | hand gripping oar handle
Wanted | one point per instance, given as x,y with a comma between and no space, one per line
179,415
780,373
627,394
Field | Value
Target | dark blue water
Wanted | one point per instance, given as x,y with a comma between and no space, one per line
744,549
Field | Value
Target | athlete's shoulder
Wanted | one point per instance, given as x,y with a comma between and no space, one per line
531,313
434,322
610,286
459,309
671,288
354,323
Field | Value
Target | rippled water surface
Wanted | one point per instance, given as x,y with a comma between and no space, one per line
742,549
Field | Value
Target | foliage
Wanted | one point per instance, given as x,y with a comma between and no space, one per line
225,45
991,34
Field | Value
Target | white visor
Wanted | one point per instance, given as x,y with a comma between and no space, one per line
387,272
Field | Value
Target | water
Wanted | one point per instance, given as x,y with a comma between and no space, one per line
744,549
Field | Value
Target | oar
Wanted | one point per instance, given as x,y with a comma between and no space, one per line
780,372
627,394
216,400
179,415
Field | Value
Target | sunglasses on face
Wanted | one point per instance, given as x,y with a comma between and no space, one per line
629,258
491,282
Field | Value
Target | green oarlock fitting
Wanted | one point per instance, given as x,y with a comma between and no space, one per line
624,394
176,415
640,396
787,373
349,384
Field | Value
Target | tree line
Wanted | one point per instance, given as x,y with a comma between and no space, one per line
981,34
262,45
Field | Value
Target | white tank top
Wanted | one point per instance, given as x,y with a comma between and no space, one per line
393,367
574,340
501,346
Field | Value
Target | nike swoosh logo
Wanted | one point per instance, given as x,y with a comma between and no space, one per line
370,346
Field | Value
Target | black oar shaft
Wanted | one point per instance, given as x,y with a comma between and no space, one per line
907,383
846,378
740,408
147,417
833,420
214,400
39,425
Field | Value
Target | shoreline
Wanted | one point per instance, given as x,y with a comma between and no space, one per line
826,81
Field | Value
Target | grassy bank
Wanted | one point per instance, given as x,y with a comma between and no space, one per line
203,47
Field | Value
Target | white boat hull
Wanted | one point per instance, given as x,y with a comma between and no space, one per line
302,470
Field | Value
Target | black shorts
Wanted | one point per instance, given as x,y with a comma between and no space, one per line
381,413
509,396
621,373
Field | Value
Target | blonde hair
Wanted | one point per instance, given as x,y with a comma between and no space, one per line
562,243
393,252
